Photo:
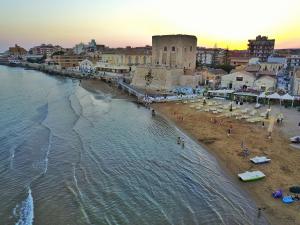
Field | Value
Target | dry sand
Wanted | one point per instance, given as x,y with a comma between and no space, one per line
282,172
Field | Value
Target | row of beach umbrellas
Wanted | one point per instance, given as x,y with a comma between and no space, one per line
276,96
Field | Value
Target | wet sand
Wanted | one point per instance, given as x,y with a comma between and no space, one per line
282,172
100,86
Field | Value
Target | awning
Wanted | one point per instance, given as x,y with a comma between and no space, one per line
287,97
262,95
274,96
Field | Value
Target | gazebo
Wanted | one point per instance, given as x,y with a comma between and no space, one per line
274,96
288,97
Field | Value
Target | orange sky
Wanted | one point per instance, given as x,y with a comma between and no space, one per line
227,23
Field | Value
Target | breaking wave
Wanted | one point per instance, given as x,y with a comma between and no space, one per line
25,211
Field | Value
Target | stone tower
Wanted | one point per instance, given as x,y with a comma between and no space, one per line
174,51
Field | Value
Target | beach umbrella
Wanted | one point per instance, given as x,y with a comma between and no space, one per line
262,95
288,97
274,96
295,189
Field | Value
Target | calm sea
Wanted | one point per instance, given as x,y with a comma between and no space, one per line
68,156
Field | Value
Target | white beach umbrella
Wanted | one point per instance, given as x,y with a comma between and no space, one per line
288,97
274,96
262,95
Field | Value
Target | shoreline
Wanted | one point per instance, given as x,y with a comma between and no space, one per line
226,150
98,85
276,212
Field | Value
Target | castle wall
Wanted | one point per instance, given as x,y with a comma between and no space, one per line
176,51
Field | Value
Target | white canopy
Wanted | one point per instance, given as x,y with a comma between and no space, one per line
274,96
262,95
287,97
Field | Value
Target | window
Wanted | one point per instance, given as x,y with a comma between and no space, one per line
239,78
173,49
165,48
191,48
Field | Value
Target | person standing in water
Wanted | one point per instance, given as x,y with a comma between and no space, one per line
182,143
178,140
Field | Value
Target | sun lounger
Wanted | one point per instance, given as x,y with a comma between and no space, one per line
251,176
260,160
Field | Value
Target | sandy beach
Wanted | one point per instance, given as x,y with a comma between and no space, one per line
98,85
211,131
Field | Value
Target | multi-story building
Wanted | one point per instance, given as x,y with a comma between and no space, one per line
204,56
44,49
128,56
17,51
67,60
79,48
238,57
261,47
296,81
212,56
293,61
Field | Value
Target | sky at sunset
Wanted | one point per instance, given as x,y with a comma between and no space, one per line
118,23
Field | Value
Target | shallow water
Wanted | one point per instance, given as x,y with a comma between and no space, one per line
68,156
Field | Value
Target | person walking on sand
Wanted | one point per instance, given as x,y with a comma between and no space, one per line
228,132
263,124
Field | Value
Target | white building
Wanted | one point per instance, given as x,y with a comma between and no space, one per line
238,80
293,61
86,66
243,80
79,48
296,82
204,57
265,83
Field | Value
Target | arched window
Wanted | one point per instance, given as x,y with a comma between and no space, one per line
165,48
173,49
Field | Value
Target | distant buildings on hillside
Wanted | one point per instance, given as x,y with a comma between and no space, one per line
175,60
44,49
